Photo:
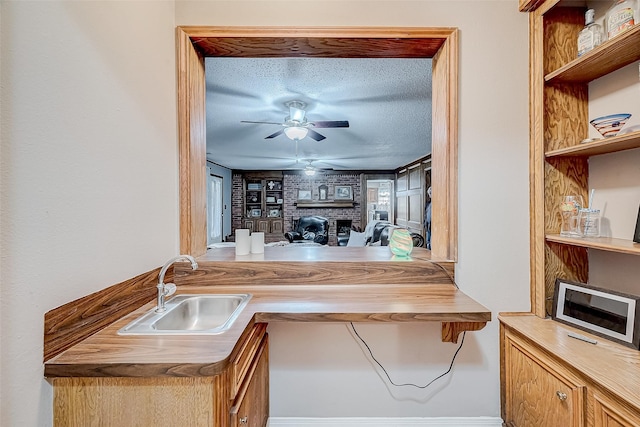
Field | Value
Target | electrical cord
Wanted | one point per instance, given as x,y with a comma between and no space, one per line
453,359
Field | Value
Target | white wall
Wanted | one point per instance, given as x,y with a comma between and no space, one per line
89,168
615,177
616,180
89,191
318,370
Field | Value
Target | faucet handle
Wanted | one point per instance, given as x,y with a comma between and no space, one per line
169,289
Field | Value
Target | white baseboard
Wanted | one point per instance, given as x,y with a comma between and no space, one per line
387,422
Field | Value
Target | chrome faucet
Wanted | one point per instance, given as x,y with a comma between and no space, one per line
168,289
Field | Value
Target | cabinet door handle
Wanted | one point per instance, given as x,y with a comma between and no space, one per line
562,396
243,420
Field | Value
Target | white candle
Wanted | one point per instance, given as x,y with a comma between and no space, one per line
257,242
243,241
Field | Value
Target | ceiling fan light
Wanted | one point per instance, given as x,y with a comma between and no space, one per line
309,171
296,133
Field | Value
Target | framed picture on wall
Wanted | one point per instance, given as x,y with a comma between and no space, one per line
343,192
304,194
323,192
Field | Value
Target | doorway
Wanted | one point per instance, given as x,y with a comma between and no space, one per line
215,213
380,200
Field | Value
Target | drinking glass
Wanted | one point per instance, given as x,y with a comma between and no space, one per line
589,222
569,208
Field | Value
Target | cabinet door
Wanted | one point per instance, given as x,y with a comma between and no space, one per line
536,396
263,225
248,223
277,226
242,364
251,408
608,413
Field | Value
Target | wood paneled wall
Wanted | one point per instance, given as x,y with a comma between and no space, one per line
411,197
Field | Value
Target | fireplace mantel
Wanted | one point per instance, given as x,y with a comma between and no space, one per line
325,204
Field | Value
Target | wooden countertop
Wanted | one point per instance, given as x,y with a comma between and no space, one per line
320,253
106,353
294,264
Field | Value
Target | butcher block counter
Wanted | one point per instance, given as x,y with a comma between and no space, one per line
303,284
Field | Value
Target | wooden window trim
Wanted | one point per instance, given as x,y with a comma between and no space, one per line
196,43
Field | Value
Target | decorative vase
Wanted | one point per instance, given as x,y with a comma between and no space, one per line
400,243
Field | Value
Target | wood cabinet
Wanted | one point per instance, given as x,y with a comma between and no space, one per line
273,226
550,379
263,197
251,406
173,401
536,394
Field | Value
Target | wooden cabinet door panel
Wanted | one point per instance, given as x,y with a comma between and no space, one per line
263,225
608,413
248,223
537,396
277,226
241,364
415,177
251,408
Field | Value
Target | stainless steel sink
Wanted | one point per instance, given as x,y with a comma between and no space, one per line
190,315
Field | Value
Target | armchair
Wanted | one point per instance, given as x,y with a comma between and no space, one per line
378,233
310,228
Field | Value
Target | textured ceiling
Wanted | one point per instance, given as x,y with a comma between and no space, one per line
386,101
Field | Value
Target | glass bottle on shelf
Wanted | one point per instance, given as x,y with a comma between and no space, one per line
591,35
621,16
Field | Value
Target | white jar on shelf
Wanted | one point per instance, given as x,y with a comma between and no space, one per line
620,17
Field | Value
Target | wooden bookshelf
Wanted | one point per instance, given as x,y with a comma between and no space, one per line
606,58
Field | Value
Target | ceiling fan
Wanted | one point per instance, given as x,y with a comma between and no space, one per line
296,126
310,169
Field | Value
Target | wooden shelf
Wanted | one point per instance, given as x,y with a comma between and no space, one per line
602,146
602,243
325,204
606,58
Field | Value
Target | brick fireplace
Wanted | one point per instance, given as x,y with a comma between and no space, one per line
292,182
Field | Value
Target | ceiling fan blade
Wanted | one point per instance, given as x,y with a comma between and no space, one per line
331,124
315,135
265,123
273,135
